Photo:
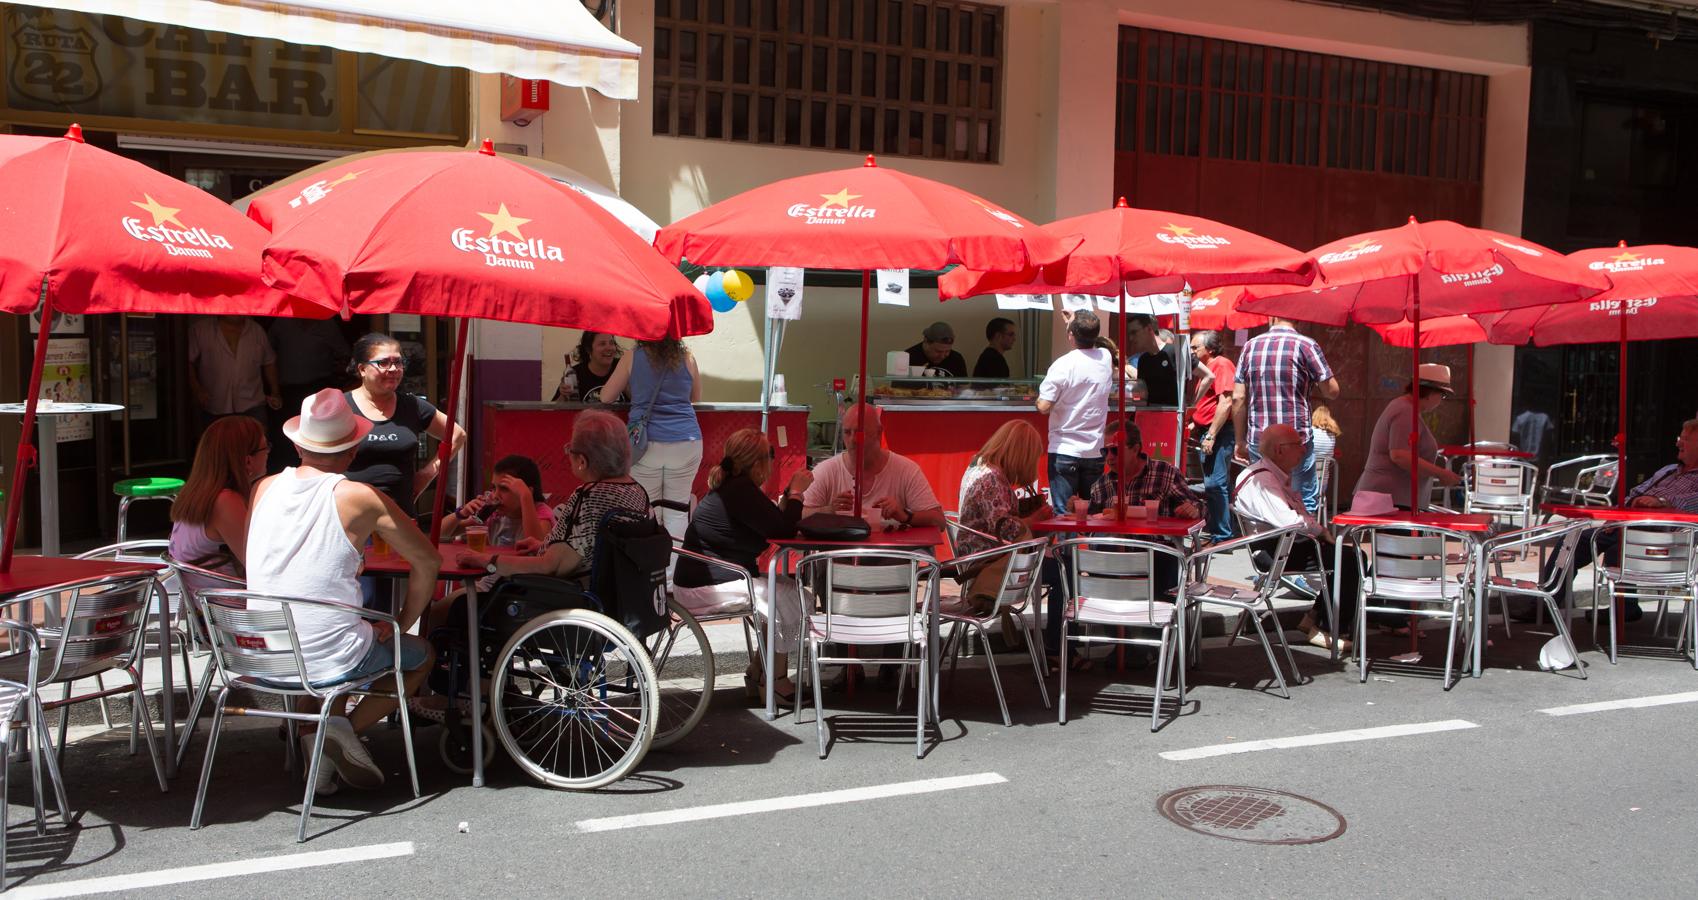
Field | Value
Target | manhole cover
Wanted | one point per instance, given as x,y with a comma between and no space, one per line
1252,814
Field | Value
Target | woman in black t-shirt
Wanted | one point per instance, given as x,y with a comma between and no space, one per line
388,460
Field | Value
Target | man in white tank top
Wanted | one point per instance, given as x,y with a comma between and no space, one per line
306,537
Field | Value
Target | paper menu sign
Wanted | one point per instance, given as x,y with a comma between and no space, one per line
1041,302
784,292
893,287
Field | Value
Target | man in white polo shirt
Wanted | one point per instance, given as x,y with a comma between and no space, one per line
1074,395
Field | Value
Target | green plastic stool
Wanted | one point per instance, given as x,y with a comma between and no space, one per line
132,489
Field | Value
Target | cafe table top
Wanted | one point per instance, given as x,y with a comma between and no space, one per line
923,538
1465,522
1620,513
1106,523
1463,450
32,573
393,563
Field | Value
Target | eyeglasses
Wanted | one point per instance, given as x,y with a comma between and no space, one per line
388,363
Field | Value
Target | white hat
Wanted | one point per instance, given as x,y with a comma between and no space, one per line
1436,376
326,424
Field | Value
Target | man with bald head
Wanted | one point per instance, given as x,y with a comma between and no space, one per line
895,492
1264,496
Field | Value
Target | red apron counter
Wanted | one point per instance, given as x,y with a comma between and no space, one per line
540,431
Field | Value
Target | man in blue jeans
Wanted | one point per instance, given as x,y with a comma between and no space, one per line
1212,420
1074,394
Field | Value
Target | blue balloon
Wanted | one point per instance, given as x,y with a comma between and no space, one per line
717,297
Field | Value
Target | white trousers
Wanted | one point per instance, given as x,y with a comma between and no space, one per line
667,471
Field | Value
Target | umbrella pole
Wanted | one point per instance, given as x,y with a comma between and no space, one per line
26,451
861,389
1120,445
766,373
1621,413
1415,499
446,450
1470,396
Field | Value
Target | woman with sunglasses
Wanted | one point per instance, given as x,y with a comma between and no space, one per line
209,520
388,460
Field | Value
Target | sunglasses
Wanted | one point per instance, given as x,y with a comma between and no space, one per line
388,363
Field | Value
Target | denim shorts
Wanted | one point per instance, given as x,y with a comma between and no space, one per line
414,651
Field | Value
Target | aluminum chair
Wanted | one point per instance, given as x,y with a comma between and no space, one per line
1021,580
191,580
90,628
1582,481
1558,538
1304,581
682,704
1326,469
259,650
869,598
1255,605
1658,562
20,702
1409,577
1112,583
1501,488
149,551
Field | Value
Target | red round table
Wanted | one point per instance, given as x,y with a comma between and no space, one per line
1131,526
1620,513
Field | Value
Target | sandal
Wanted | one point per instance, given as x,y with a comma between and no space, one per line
754,688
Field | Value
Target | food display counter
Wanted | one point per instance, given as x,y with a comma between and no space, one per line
940,423
540,431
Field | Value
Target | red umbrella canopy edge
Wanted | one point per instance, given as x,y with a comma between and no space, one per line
1654,296
868,217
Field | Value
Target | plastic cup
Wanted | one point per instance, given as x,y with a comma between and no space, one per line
379,546
1151,508
477,538
1081,508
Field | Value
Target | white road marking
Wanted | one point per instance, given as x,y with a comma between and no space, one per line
1630,703
1312,740
797,801
186,874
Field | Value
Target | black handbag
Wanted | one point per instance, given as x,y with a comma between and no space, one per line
834,527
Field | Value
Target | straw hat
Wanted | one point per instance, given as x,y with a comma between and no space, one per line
326,424
1434,375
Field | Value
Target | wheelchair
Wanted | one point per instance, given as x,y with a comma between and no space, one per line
573,697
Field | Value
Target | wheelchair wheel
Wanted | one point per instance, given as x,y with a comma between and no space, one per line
455,747
683,662
573,699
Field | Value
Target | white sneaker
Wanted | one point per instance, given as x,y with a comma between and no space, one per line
344,749
326,784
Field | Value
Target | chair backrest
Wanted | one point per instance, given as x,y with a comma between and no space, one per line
192,580
149,551
1596,484
255,643
853,586
1118,569
90,626
1497,485
1021,576
1413,560
1657,551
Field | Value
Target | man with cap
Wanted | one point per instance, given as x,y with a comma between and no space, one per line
1386,469
936,350
306,536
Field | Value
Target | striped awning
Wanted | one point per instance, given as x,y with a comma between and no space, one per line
551,40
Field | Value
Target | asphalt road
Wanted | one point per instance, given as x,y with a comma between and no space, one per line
1507,801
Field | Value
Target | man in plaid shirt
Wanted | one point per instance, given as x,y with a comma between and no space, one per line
1148,479
1277,372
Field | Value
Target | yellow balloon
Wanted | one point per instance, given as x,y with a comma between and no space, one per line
738,285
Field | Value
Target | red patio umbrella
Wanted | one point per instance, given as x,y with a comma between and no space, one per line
1216,309
1654,296
1142,252
86,231
862,219
470,235
1428,269
1139,252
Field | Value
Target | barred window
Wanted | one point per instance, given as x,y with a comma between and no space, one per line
1184,95
898,77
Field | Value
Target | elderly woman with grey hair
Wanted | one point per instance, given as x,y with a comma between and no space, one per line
600,455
